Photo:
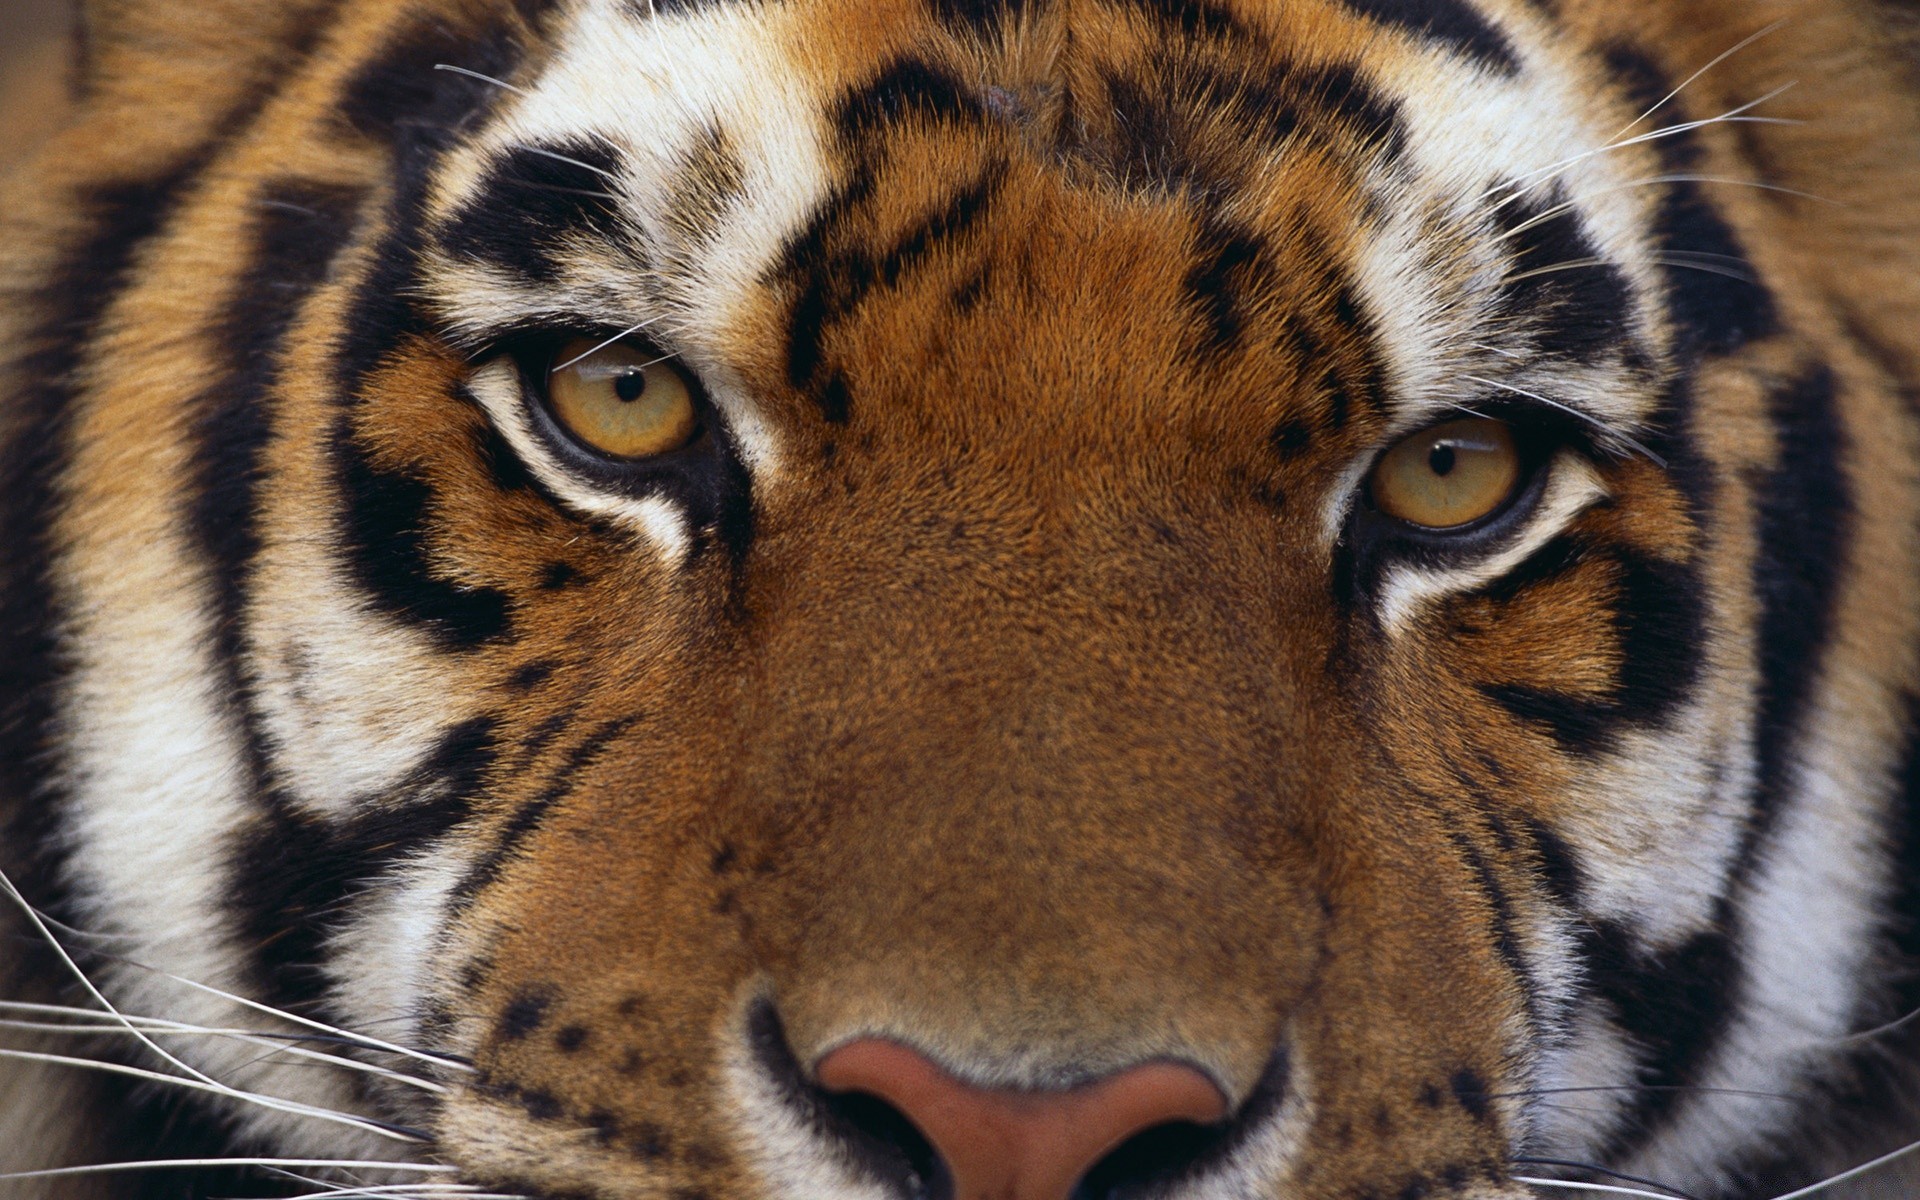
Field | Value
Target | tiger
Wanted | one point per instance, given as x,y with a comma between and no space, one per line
964,600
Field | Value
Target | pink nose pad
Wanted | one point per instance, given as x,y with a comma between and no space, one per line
1013,1145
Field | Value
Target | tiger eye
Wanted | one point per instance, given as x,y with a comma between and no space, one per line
622,400
1449,475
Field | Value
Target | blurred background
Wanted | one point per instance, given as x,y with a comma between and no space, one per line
32,44
26,25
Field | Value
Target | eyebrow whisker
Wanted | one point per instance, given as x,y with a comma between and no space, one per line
1589,418
499,83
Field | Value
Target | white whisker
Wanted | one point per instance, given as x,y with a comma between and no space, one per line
248,1036
1611,1189
426,1191
624,333
1851,1173
1736,48
499,83
1518,187
603,173
364,1041
1571,411
33,915
679,84
1893,1026
1493,350
1707,264
162,1164
1553,211
218,1089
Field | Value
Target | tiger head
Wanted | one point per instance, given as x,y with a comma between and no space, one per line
1012,601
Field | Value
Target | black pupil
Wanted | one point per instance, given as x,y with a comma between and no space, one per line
1441,459
632,386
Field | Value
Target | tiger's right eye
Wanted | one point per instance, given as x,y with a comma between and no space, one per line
623,400
1449,475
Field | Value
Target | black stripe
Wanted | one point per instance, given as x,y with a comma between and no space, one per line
832,282
1903,840
1658,613
532,206
1712,313
397,97
1673,1006
1454,23
1681,1006
823,277
1229,262
298,228
962,212
295,875
528,818
1163,119
1805,530
1190,18
1338,90
1659,617
980,16
73,300
1577,313
907,88
1559,866
1506,942
384,535
1579,724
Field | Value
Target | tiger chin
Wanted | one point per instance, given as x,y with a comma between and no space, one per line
963,599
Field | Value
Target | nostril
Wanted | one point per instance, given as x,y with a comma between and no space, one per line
1149,1159
997,1144
882,1134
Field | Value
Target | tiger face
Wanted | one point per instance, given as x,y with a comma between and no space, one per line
1023,601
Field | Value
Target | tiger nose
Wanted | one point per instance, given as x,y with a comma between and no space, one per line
1021,1145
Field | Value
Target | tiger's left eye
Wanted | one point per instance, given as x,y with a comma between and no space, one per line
622,400
1449,475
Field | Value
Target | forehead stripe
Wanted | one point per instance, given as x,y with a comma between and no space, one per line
534,202
1718,302
1452,23
1557,284
834,282
1192,18
907,87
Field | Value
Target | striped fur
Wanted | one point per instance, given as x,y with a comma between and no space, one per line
1013,673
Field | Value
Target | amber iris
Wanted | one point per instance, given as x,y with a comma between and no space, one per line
622,400
1448,475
